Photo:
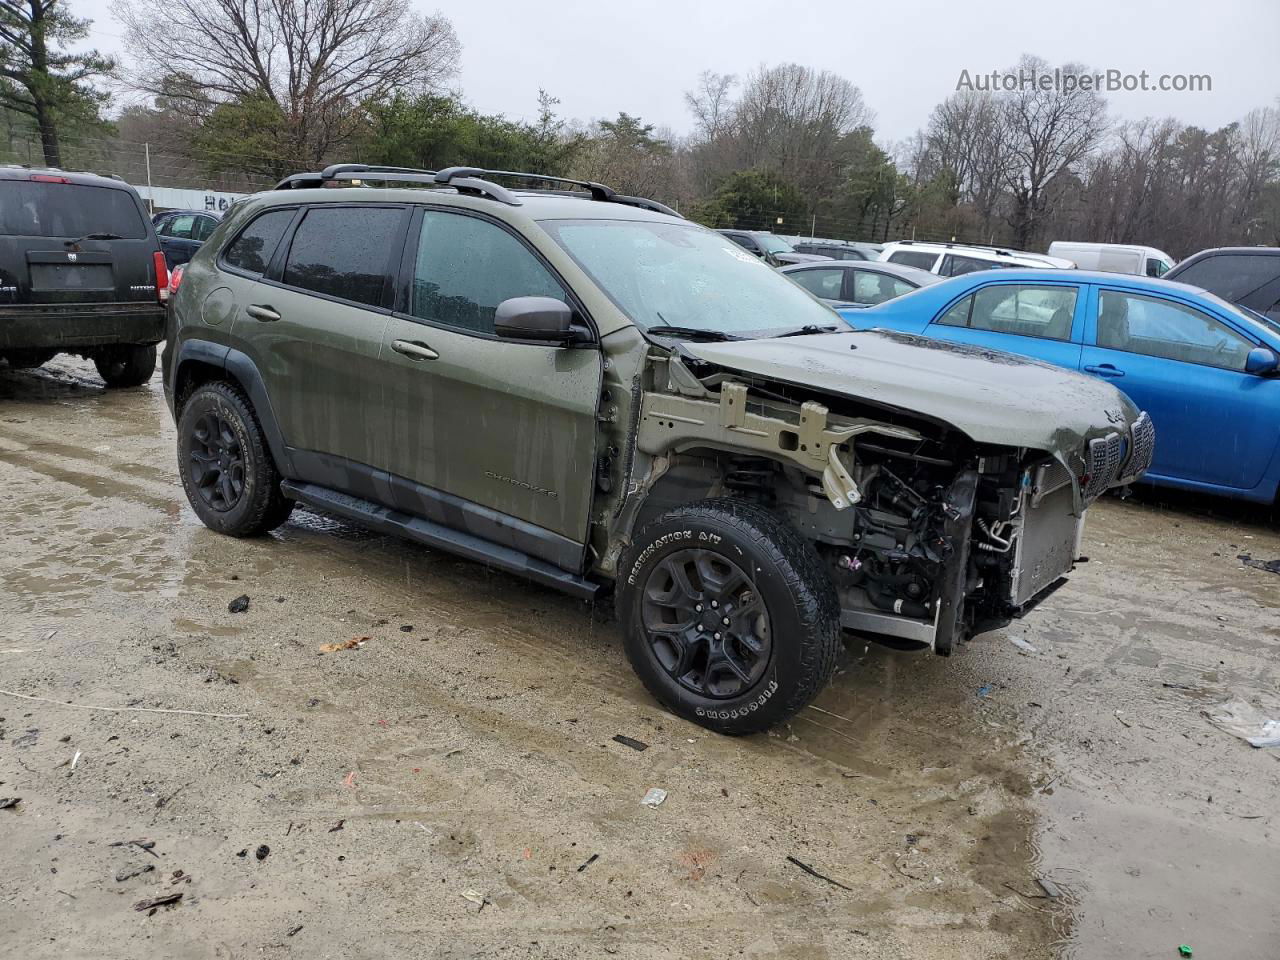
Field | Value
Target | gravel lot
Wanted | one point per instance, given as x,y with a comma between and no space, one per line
451,787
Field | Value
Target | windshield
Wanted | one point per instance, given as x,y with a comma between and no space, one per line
67,210
773,244
677,274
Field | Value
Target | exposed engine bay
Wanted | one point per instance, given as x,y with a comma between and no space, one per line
929,537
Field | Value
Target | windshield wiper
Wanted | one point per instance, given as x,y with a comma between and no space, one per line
91,236
809,328
691,333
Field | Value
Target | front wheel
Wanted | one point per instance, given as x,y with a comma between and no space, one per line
126,365
731,619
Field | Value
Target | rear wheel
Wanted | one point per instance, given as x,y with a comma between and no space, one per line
126,365
227,471
731,619
29,359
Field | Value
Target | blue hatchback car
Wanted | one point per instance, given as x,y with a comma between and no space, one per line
1206,370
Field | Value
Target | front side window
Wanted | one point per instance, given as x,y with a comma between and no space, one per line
203,228
1162,328
914,258
1022,310
821,283
343,252
679,274
466,266
872,288
252,250
1156,268
771,244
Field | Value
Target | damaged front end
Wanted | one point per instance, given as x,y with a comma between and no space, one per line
929,534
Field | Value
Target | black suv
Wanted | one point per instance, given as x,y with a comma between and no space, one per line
1249,276
80,272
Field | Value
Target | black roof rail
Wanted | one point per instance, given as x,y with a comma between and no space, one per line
354,171
465,180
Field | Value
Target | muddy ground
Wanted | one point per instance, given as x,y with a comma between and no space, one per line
451,788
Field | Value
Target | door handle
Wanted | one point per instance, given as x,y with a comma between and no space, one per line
414,350
1104,370
262,312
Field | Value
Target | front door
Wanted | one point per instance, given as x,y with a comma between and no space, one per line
1186,369
313,327
494,436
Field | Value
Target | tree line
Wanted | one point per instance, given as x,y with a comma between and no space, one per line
240,93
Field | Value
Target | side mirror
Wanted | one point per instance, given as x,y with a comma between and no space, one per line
1261,361
534,318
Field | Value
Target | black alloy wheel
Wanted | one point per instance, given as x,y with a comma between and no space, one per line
216,464
706,623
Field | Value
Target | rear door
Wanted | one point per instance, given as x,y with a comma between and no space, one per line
493,435
45,258
1043,320
1214,423
313,323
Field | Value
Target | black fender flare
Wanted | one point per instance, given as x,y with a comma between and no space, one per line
245,372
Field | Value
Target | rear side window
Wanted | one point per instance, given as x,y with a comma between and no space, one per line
1025,311
953,266
343,252
914,258
252,250
467,266
1231,276
69,210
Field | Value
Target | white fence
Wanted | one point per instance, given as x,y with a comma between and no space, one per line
175,198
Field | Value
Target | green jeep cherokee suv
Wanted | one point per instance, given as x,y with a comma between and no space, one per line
588,391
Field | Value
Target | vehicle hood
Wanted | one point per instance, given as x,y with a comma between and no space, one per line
800,257
992,397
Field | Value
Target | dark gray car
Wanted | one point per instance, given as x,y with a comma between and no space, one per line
859,283
181,233
770,247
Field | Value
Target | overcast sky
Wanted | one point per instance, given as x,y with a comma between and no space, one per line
600,57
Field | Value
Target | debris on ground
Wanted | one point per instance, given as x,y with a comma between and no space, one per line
476,897
814,873
337,826
406,628
294,930
262,852
349,780
1022,645
637,745
143,906
148,846
1184,951
985,689
654,797
8,803
1051,889
1271,566
128,873
590,860
1246,722
239,605
351,644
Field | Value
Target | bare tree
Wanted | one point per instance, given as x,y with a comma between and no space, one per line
1049,132
300,69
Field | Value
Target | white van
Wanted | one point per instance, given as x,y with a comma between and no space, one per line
1115,257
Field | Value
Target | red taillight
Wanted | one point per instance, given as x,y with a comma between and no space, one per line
47,178
175,278
162,277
